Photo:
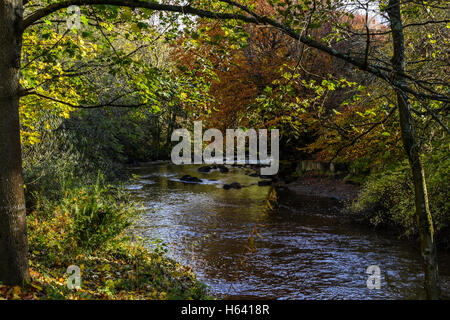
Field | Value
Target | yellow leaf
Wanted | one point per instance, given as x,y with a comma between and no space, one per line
36,287
16,292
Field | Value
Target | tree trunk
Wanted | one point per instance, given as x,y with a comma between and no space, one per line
411,146
171,126
13,229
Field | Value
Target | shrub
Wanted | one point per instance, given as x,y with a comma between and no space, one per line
76,217
100,214
387,198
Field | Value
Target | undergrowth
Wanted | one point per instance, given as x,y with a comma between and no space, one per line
77,217
387,198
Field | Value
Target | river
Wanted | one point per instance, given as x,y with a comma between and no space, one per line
302,250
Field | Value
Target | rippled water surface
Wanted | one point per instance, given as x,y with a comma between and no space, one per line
303,251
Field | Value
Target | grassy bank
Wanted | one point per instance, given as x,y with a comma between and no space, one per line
78,215
89,227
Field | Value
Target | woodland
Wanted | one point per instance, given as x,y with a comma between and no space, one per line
89,87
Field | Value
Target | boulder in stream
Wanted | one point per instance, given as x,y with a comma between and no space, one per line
188,178
204,169
234,185
223,169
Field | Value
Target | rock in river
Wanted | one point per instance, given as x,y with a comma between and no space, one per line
223,169
204,169
234,185
188,178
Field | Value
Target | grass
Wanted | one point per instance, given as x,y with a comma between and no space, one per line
76,216
90,227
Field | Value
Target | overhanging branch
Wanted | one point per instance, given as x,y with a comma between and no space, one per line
254,19
82,106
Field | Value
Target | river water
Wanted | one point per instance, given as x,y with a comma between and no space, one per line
302,250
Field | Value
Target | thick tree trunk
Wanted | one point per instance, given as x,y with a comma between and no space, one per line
410,143
13,230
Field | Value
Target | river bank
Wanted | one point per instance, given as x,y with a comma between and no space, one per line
322,186
348,196
85,222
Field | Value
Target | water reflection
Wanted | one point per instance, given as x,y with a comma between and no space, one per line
304,251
